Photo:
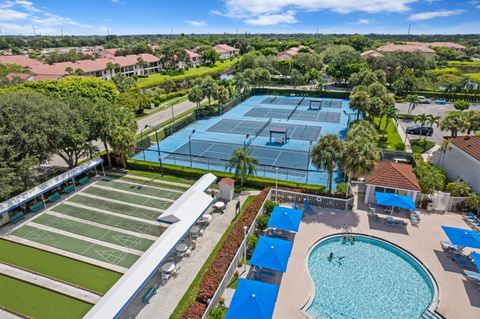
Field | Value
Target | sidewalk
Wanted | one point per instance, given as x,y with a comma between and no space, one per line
402,132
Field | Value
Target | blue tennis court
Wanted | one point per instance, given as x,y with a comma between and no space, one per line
278,130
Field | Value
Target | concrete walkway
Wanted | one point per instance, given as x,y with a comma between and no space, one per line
7,315
403,135
163,303
119,174
48,283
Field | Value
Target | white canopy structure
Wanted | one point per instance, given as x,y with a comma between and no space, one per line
41,189
180,217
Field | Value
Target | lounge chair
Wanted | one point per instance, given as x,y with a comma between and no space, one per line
473,276
463,261
449,247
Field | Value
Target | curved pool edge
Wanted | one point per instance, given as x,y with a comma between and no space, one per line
312,291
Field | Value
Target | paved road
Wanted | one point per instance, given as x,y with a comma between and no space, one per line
433,109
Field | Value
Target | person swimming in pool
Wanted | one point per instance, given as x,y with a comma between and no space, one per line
330,257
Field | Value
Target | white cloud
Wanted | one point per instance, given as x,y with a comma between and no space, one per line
9,14
363,21
273,19
434,14
196,24
273,12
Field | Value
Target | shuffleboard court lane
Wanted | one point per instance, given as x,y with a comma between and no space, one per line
288,159
139,189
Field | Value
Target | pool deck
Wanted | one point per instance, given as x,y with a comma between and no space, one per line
458,298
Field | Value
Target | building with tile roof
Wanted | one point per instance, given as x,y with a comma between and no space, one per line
290,53
461,160
391,177
225,51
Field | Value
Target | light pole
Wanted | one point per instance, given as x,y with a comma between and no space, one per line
245,140
173,119
245,248
190,146
276,184
308,159
158,147
141,141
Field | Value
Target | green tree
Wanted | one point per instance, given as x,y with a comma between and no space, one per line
195,95
210,56
359,99
454,122
363,77
473,202
461,105
360,155
422,119
261,76
124,83
242,83
243,163
458,188
122,135
390,113
471,121
430,178
326,154
413,102
209,88
222,95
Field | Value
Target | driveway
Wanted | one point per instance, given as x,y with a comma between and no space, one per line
433,109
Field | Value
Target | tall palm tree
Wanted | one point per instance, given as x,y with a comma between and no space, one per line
359,99
241,82
389,113
326,154
243,163
413,101
360,156
454,122
209,88
472,121
444,147
195,95
422,119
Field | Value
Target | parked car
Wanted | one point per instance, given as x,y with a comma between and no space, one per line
424,100
419,130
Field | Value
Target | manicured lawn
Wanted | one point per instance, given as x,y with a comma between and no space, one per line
192,291
35,302
393,138
421,145
473,76
156,175
157,78
69,270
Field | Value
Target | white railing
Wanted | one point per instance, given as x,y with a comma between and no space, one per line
313,200
233,265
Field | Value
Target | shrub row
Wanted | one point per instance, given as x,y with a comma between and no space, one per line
159,99
253,182
225,255
195,310
280,91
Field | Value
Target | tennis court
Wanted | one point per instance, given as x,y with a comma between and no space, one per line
303,101
295,114
111,220
217,153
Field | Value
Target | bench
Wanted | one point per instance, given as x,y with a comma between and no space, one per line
36,207
83,180
149,293
68,189
17,217
54,197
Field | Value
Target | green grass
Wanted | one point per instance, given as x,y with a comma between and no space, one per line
392,136
36,302
192,291
421,145
446,70
140,189
234,283
157,78
222,310
76,246
63,268
464,63
161,107
156,175
473,76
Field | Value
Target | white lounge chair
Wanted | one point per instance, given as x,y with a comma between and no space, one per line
473,276
449,247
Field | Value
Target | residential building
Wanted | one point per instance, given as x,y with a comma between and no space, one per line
290,53
461,160
129,65
415,48
391,177
196,59
225,51
371,54
432,45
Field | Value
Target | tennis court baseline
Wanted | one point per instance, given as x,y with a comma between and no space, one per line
302,101
203,151
295,132
299,115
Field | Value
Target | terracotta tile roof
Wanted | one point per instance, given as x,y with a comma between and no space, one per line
192,54
394,175
391,47
227,181
468,144
290,52
371,53
224,48
451,45
18,75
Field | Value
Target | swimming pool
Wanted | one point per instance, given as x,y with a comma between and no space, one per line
251,121
368,278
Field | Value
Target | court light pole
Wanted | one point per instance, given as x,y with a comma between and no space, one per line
308,158
190,146
141,140
173,119
245,140
158,147
276,184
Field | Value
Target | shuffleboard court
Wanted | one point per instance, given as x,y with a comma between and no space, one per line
299,115
109,220
98,233
273,157
295,132
127,198
76,246
140,189
115,207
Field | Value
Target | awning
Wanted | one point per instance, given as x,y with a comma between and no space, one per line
462,237
272,253
395,200
285,218
253,300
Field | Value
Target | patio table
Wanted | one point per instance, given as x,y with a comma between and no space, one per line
181,247
168,267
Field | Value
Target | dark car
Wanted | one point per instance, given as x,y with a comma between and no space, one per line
419,130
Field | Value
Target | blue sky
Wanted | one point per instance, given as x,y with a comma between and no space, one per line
218,16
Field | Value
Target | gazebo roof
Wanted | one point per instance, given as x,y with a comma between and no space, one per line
393,175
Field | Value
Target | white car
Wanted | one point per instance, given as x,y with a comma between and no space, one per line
424,100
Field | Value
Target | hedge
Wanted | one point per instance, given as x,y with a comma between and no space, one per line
195,173
280,91
159,99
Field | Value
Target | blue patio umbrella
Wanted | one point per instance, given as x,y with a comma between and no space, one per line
253,300
285,218
271,253
395,200
476,260
462,237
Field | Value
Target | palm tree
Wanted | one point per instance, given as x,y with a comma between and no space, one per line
196,95
472,121
444,147
422,119
209,88
360,155
413,101
241,82
243,163
69,70
78,71
326,154
473,202
359,99
389,113
454,122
